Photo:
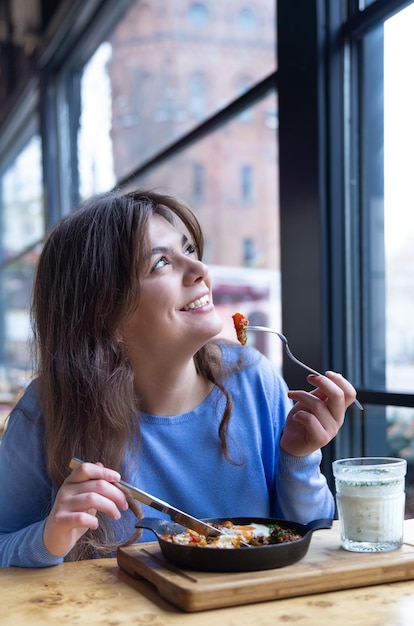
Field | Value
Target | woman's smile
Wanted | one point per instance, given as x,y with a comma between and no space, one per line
196,304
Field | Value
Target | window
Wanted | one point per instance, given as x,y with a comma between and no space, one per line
399,200
22,228
199,182
246,20
95,157
345,142
249,252
22,200
197,90
388,228
188,84
246,174
198,15
16,280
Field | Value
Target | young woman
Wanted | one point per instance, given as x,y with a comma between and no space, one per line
131,380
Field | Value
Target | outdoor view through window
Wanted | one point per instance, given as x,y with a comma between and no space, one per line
399,198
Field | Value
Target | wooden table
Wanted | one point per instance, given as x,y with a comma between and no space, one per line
99,593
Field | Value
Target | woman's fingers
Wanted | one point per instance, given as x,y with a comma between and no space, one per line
317,415
333,392
92,480
87,471
89,488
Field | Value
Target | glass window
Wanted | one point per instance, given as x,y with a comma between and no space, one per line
246,20
153,80
198,14
246,183
197,88
400,437
249,252
16,279
199,182
387,231
388,197
95,156
399,199
399,233
21,200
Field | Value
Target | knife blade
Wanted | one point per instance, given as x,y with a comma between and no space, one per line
175,514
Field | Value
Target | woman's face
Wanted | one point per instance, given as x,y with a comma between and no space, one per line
175,314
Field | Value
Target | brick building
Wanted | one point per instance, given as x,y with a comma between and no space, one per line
174,64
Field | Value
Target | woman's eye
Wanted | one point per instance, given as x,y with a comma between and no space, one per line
190,249
162,262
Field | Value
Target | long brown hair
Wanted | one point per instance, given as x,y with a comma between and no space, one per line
87,279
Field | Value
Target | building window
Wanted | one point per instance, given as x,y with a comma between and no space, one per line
249,254
197,86
246,20
198,182
246,174
198,15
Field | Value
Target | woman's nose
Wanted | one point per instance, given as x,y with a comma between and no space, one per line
195,270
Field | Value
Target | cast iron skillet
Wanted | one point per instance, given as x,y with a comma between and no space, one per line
237,559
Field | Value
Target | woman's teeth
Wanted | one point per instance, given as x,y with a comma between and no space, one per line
196,304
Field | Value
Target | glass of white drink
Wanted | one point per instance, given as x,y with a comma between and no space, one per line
370,496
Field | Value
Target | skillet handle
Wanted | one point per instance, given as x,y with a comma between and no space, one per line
319,524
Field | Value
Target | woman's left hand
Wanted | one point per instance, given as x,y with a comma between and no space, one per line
317,415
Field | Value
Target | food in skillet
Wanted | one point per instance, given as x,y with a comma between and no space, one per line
253,534
240,323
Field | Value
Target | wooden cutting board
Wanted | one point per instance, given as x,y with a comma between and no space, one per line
326,567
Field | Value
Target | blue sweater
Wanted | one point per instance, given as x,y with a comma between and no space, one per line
179,461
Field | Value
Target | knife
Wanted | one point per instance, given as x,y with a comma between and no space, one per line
175,514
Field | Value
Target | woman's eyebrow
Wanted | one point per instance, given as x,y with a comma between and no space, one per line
162,249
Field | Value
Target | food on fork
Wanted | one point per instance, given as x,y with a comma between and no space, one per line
240,323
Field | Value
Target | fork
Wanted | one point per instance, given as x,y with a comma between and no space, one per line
291,355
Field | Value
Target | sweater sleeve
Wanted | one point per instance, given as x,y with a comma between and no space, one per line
25,492
303,494
25,548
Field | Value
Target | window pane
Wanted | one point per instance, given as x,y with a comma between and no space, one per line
384,431
242,237
399,198
22,220
154,79
15,333
95,158
400,435
387,191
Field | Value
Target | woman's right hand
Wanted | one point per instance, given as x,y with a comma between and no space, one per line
88,489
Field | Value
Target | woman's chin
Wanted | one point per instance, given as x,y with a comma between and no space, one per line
210,328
